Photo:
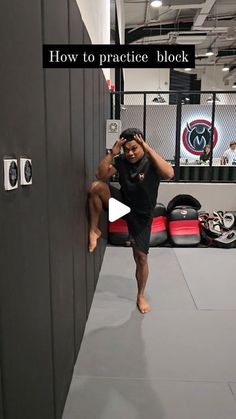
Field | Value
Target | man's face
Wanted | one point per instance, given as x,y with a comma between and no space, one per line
133,151
233,147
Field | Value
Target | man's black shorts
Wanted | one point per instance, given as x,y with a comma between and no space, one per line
139,225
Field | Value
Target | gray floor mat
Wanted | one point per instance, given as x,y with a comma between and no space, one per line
211,276
176,362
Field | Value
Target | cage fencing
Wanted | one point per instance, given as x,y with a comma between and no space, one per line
193,131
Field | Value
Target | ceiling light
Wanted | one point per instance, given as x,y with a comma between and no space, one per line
187,69
234,85
209,52
226,67
190,39
185,100
156,3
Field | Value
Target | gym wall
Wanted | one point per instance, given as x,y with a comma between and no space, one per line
47,278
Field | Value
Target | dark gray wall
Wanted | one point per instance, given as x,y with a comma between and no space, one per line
56,118
1,394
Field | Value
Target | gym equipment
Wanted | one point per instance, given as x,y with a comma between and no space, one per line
118,233
184,228
227,240
183,223
159,233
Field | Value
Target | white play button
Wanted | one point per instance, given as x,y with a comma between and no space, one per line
116,209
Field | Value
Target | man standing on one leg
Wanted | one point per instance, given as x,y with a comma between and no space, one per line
140,170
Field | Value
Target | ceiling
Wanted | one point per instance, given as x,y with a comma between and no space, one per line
209,23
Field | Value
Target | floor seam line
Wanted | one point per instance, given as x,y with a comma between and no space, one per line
231,390
173,380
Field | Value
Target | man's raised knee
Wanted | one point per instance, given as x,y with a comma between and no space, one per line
96,187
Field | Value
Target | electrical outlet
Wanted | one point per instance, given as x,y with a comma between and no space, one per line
25,171
10,174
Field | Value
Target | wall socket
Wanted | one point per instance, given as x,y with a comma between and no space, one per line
25,171
10,174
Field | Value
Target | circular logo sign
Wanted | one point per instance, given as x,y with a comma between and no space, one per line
197,134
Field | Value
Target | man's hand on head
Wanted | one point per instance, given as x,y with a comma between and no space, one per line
117,146
141,141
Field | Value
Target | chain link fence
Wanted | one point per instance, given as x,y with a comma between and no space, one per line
196,136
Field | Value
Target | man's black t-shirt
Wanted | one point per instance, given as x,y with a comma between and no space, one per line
205,157
139,183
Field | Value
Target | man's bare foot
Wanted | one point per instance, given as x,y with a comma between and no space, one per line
93,238
143,305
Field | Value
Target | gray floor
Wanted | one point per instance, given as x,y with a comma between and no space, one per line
176,362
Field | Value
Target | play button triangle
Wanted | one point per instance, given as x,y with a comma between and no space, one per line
116,209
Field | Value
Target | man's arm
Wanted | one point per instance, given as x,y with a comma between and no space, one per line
106,169
163,167
224,158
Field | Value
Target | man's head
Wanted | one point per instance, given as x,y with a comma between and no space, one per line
232,145
207,149
132,149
